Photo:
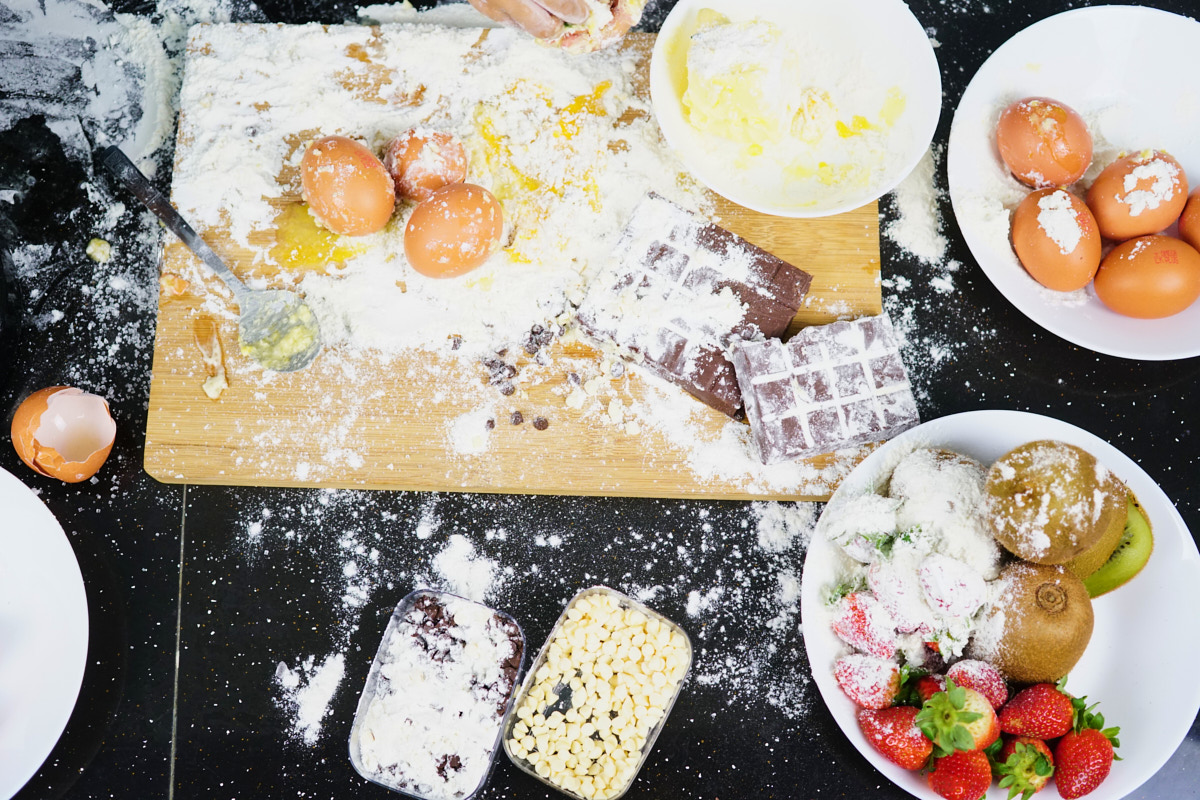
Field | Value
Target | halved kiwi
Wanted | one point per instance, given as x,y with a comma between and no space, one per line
1132,553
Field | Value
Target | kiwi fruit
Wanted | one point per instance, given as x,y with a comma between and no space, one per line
1049,502
1094,557
1130,555
1043,618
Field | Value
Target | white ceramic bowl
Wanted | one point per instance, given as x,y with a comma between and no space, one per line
1129,71
1141,661
877,39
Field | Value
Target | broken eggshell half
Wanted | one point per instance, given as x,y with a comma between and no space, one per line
63,432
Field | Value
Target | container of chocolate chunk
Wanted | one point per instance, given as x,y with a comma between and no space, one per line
830,386
431,713
598,695
678,290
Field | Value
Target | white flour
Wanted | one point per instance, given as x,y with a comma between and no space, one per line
307,692
917,225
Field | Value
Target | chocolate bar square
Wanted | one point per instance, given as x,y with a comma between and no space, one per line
699,287
829,387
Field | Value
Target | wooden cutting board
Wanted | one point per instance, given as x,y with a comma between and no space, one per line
362,420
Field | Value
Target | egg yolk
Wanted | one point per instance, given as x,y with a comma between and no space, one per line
423,161
454,231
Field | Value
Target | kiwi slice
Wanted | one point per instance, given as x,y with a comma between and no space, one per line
1132,553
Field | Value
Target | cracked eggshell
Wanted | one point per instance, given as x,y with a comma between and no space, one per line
63,432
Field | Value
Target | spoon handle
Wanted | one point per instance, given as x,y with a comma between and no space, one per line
119,165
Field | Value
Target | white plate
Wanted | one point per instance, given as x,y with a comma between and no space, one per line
1146,636
876,38
1129,71
43,633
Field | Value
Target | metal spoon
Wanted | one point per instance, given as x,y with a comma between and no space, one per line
275,327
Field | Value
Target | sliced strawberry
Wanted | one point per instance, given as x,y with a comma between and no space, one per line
1041,711
1024,766
891,731
863,623
958,719
982,677
1085,754
962,775
869,681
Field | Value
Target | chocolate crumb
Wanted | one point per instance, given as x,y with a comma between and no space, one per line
540,423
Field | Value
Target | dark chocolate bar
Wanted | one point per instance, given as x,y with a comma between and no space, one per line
829,387
679,290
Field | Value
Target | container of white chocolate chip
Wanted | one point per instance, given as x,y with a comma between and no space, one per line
432,710
597,696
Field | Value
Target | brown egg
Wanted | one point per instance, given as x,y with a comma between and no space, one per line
63,432
1189,221
1055,237
346,186
1150,277
1044,142
454,231
421,161
1138,194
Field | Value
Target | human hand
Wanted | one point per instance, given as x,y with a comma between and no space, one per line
541,18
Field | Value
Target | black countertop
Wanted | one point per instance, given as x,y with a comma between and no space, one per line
197,594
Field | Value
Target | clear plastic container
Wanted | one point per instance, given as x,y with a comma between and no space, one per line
378,686
563,704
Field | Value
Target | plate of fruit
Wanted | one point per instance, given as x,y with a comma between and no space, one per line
994,601
1068,169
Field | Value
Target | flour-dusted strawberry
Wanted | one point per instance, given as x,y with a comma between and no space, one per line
1084,755
962,775
895,585
869,681
958,719
1042,711
1024,766
864,624
892,732
951,588
982,677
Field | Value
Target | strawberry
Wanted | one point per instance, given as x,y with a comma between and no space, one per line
891,731
1084,755
870,682
862,622
982,677
1024,766
929,685
1042,711
958,719
962,775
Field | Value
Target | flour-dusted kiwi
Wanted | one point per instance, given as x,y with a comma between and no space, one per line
1131,554
1038,625
1050,501
1094,557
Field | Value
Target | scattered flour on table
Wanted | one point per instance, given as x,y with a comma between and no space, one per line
308,690
729,573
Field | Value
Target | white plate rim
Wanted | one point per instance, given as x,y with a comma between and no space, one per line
963,432
681,137
1091,325
46,595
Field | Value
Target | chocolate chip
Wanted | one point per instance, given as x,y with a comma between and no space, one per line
507,389
517,418
540,423
491,423
574,379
